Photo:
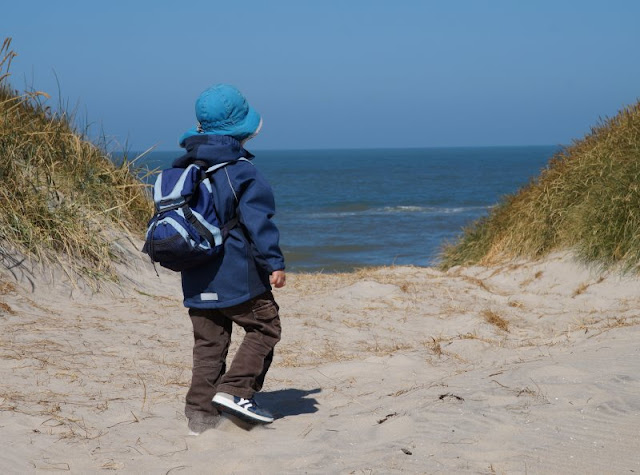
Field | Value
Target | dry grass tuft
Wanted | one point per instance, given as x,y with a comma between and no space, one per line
298,354
385,349
434,346
496,320
6,288
530,279
601,327
580,289
480,283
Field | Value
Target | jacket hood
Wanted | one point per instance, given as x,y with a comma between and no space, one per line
211,149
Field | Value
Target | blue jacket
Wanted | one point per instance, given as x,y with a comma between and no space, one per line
251,250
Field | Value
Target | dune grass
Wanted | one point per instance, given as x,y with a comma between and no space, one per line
587,200
61,195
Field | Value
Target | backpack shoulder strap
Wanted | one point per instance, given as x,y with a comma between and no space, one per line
188,214
233,222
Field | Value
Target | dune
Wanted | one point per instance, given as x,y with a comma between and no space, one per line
528,367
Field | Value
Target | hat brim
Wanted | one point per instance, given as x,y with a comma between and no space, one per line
239,131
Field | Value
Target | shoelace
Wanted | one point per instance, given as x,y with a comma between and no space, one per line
246,403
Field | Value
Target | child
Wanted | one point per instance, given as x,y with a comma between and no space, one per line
236,286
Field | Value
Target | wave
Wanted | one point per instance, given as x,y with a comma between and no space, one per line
407,209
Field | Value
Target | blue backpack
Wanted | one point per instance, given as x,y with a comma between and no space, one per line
186,230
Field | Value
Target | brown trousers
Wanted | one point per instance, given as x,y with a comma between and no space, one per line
212,334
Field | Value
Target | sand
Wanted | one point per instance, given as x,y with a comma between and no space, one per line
531,367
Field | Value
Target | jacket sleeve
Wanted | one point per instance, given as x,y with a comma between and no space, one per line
256,207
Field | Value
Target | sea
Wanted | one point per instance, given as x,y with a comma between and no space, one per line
339,210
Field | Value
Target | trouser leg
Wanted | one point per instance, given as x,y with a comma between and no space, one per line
212,334
261,322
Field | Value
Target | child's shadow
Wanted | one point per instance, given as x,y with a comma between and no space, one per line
289,402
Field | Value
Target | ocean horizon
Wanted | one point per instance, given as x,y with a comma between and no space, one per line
342,209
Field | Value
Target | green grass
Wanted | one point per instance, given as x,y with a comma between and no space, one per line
61,195
587,200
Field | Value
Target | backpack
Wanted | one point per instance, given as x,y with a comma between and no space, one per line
185,230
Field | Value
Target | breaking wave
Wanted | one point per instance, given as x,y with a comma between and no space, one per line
387,210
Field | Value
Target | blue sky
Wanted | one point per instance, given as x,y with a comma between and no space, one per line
336,74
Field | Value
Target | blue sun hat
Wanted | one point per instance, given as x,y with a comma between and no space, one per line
223,110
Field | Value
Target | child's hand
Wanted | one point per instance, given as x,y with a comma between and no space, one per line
277,278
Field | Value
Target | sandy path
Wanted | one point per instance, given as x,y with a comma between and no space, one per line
529,368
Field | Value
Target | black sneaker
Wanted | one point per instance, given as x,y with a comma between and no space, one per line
245,409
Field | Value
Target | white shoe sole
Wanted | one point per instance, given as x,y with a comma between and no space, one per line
228,405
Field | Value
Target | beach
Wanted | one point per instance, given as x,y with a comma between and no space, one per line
453,189
525,367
